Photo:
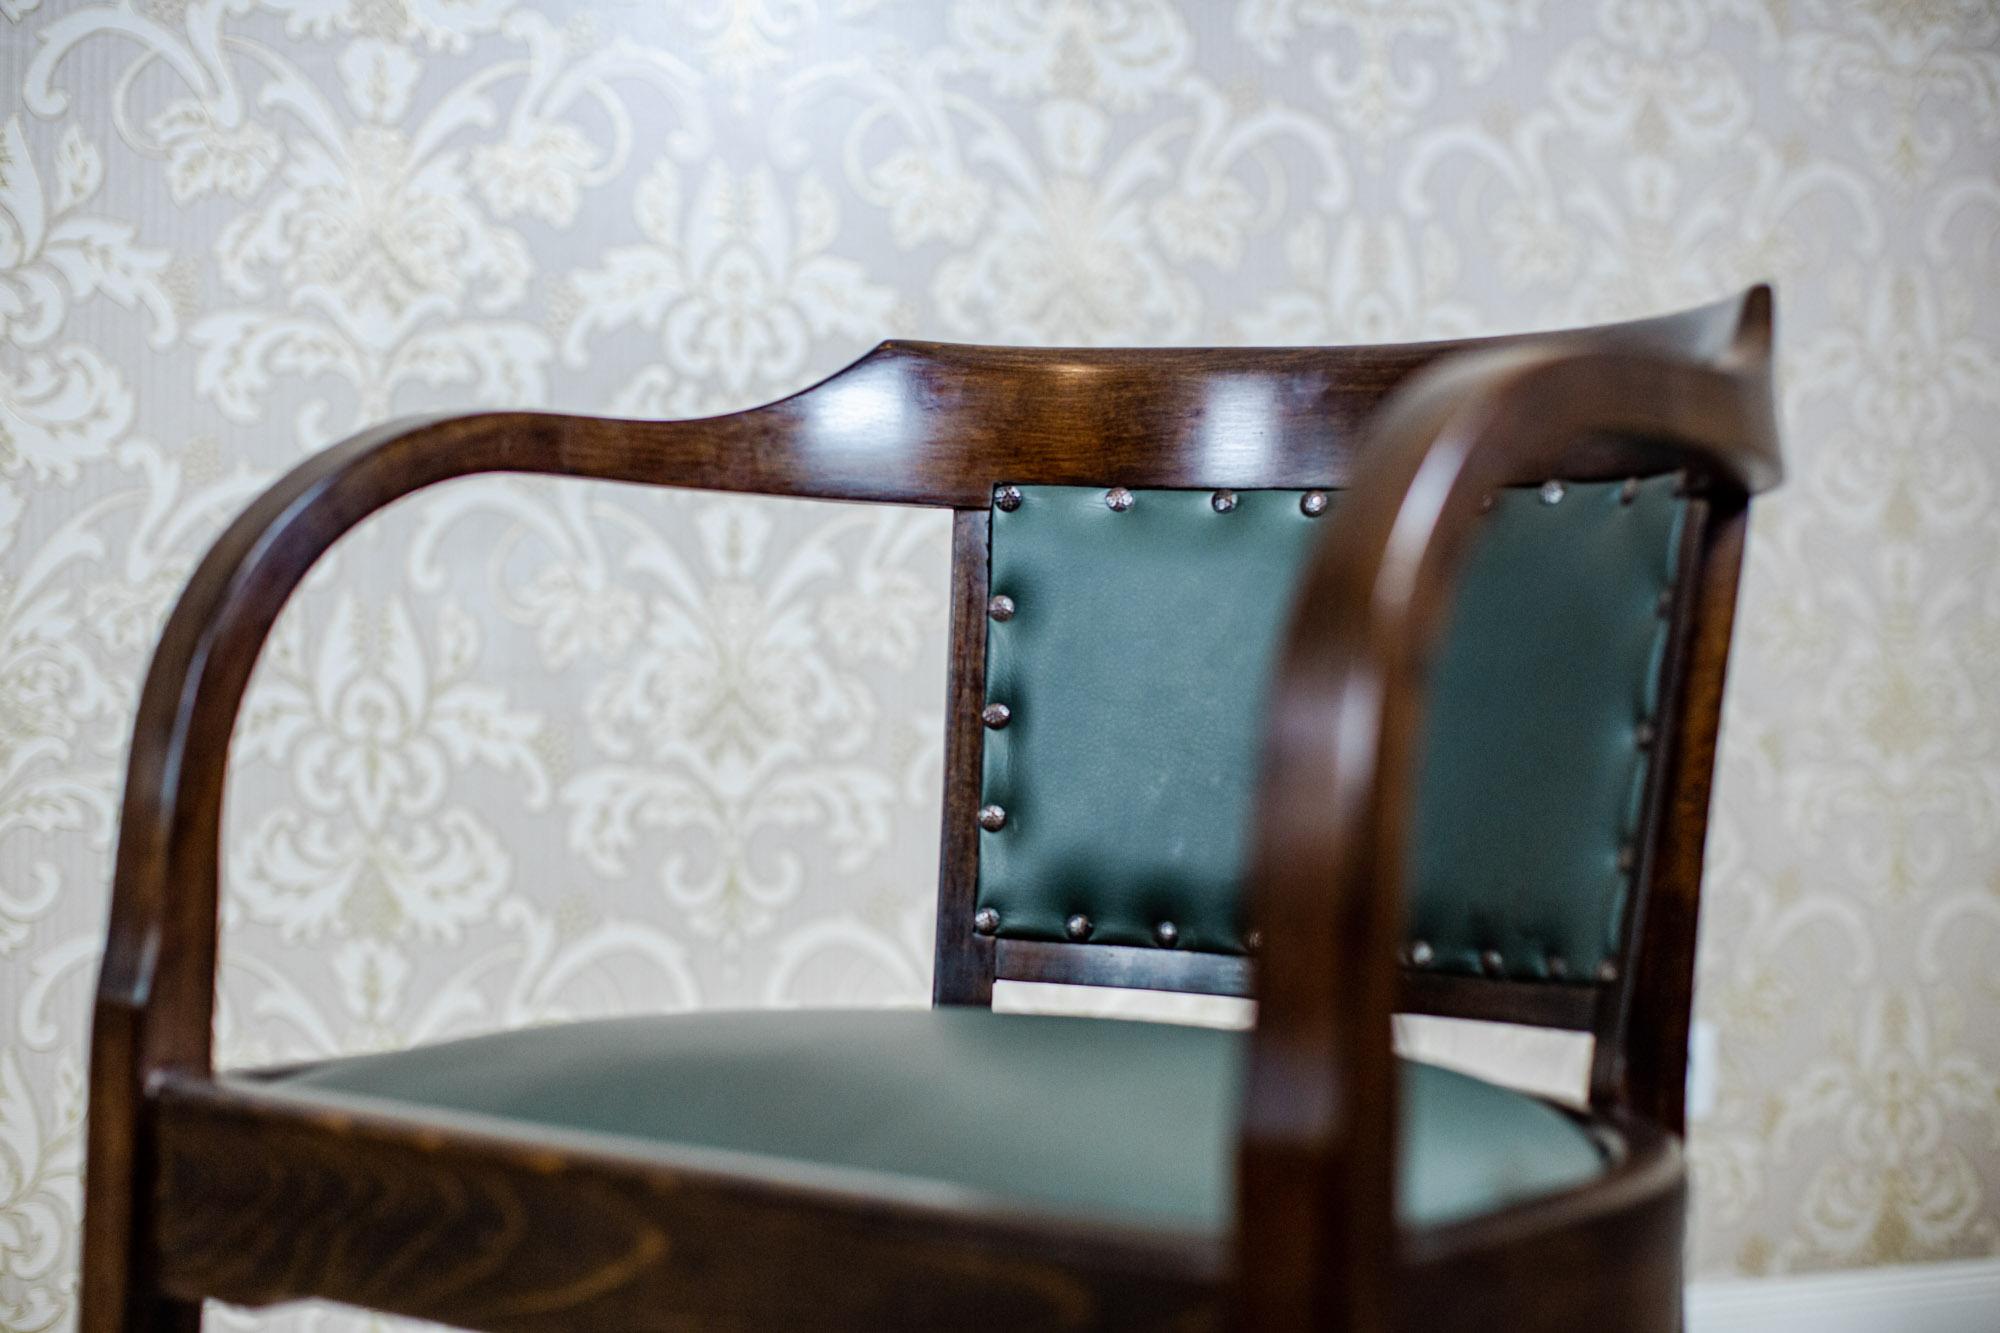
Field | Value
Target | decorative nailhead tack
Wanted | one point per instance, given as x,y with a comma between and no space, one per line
1628,859
1492,963
1118,499
1629,491
1254,941
1007,498
1000,607
1607,971
996,716
992,818
1557,965
1553,492
1079,927
1223,501
1168,934
1486,502
1644,735
1313,503
1421,953
986,921
1665,602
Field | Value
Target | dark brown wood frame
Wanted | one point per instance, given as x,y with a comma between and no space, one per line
203,1184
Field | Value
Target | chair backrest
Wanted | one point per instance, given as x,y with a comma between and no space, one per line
1131,639
1120,599
1144,514
1523,895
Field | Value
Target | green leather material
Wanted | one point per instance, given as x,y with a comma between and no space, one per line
1137,665
1087,1117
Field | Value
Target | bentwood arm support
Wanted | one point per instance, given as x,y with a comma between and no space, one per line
155,998
1316,1235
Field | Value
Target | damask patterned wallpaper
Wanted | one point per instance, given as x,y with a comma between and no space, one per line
525,751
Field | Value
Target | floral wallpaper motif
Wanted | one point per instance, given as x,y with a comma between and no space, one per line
529,751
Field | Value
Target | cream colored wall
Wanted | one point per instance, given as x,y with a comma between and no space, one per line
531,751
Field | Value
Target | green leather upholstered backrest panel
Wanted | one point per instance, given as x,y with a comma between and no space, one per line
1135,669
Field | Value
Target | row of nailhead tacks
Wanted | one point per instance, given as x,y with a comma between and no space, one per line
1118,500
1313,503
1418,953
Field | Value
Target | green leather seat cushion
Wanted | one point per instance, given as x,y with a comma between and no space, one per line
1093,1117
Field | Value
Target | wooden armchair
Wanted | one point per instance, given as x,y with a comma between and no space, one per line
1470,779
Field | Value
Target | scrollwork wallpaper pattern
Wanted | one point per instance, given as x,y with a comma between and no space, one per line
527,751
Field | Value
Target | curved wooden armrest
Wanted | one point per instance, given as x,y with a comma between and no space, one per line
1316,1229
155,990
844,438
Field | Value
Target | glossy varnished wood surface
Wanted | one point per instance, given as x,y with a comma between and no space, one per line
1122,966
1341,768
1641,1056
266,1196
413,1204
1573,1007
1604,1258
963,969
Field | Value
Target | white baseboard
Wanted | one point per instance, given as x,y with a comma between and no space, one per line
1959,1297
